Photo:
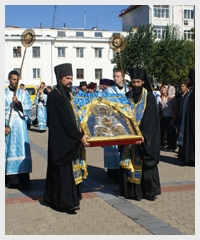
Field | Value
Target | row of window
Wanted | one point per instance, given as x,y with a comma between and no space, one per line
162,11
160,30
79,73
61,52
78,34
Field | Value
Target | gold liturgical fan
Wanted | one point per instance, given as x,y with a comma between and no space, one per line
117,42
27,40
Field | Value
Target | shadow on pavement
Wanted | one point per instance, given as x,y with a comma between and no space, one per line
34,130
170,160
97,180
35,190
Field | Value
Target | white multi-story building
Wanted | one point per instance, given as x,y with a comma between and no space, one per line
160,16
87,50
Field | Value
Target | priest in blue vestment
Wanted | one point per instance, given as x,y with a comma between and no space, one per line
18,161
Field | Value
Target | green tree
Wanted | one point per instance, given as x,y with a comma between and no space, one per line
173,56
193,33
167,60
138,51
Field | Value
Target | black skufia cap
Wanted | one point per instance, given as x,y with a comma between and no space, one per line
83,83
63,70
140,73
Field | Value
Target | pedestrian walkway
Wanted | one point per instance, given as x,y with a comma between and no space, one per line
103,211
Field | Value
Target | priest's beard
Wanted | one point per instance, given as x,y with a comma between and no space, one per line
68,88
137,91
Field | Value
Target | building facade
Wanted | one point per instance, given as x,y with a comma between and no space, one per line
87,50
160,16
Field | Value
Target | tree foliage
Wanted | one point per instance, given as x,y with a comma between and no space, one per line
167,60
193,33
138,50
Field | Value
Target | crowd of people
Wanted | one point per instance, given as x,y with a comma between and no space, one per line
165,117
171,103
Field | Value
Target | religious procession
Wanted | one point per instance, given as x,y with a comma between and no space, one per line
132,121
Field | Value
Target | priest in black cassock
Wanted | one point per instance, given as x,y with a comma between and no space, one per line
65,140
186,139
139,177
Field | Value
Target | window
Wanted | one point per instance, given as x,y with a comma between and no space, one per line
113,56
98,34
18,70
79,52
36,52
61,52
187,35
79,34
36,72
188,14
159,31
98,73
61,33
161,11
80,73
16,52
98,52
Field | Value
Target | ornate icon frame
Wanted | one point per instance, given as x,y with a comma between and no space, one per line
113,126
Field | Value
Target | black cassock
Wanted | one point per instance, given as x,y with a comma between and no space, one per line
150,154
64,137
189,130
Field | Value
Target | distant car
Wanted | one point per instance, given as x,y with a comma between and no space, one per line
32,91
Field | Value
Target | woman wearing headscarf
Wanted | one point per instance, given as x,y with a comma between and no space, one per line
139,177
65,141
186,139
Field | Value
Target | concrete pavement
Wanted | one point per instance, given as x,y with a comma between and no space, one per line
102,211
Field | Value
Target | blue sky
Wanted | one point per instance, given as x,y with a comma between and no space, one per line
105,17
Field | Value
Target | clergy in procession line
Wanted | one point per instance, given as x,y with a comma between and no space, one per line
139,177
18,161
25,98
83,86
111,153
105,83
92,87
65,141
41,111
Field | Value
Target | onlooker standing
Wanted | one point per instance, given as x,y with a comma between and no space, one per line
169,117
63,184
187,130
156,93
18,161
161,104
48,89
180,98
